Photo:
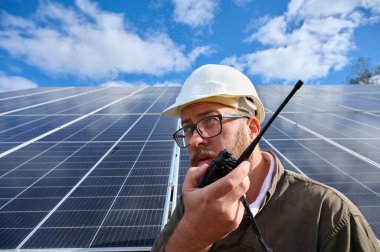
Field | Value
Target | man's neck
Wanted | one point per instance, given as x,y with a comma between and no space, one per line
260,169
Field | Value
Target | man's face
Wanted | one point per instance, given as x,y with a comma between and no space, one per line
235,134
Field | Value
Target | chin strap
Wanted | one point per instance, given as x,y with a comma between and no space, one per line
255,228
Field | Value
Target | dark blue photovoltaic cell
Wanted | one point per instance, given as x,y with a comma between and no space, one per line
149,171
75,218
164,129
32,131
48,182
143,190
7,123
20,219
142,180
16,182
45,192
166,100
72,173
33,204
96,191
12,237
103,179
74,129
134,217
61,237
139,202
29,173
3,202
86,203
142,130
115,128
6,146
118,171
371,213
10,192
364,200
332,177
126,236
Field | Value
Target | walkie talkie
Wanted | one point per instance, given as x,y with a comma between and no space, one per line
224,163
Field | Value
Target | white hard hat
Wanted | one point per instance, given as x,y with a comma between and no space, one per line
221,84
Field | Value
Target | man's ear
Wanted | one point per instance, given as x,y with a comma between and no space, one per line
254,127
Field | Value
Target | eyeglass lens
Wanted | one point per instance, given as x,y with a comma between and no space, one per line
207,127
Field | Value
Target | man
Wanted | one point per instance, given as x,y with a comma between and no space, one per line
219,108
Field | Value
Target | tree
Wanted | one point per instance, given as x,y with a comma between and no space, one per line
362,73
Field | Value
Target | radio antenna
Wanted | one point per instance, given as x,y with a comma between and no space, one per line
247,152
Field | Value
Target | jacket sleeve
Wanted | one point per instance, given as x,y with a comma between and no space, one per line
355,234
163,237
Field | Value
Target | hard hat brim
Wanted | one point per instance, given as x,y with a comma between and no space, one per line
175,109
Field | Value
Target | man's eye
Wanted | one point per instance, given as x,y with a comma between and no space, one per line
211,120
187,130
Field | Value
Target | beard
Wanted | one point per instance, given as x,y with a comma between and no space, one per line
242,140
240,143
201,152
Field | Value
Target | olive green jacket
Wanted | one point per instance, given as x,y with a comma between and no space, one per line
297,214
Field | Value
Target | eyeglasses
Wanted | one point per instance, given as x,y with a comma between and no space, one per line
207,127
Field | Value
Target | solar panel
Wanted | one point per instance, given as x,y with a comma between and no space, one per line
96,168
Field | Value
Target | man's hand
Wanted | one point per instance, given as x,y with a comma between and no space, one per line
211,212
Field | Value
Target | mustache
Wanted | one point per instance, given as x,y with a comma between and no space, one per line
203,153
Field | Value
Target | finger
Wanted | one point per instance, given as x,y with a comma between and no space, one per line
239,191
231,181
194,174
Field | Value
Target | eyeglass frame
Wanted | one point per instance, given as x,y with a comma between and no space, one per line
194,126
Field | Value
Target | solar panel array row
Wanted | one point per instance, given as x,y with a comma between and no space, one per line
94,167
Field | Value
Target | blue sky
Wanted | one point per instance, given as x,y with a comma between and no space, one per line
119,42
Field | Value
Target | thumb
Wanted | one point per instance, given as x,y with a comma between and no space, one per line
194,174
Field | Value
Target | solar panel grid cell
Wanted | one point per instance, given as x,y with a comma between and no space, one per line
9,122
13,236
6,146
24,101
20,219
126,237
61,238
31,204
45,192
31,131
85,218
29,91
9,192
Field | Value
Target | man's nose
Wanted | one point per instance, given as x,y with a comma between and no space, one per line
197,140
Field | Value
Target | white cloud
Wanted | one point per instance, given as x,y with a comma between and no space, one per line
201,50
375,79
195,13
10,83
88,42
311,39
234,61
